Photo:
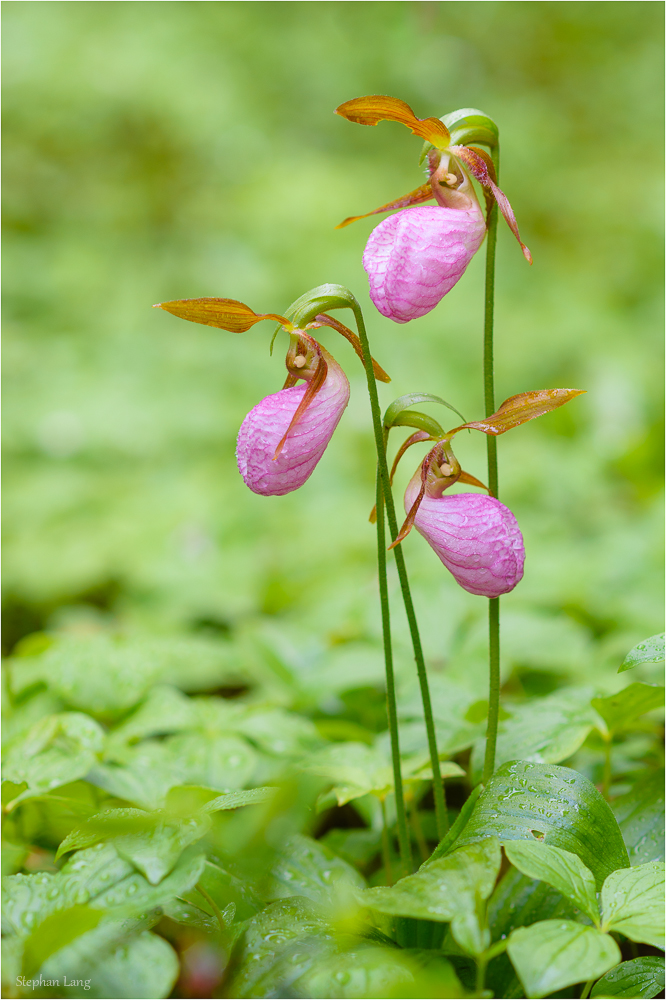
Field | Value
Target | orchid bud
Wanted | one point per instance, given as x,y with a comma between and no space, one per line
476,537
415,257
284,436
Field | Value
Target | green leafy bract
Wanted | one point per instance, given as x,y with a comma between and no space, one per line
553,805
308,868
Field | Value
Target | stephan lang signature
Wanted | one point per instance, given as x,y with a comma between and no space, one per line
35,984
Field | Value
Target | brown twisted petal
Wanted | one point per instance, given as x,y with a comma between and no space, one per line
377,108
323,319
476,161
417,197
519,409
226,314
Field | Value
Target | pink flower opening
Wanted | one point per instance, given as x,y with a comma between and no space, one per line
475,536
415,257
266,424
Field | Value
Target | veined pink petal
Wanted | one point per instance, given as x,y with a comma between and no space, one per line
265,426
415,257
476,537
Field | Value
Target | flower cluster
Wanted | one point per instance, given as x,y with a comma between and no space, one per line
412,259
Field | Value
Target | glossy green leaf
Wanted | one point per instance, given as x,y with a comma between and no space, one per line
365,972
633,980
545,730
95,674
143,968
242,797
56,931
225,889
553,805
560,869
632,902
156,766
266,936
356,769
619,710
449,889
640,814
647,651
556,953
308,868
519,901
411,399
56,751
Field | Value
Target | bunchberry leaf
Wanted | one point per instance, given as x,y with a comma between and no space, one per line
144,966
553,805
57,750
640,814
545,730
633,980
647,651
448,889
632,902
307,868
553,954
620,710
560,869
55,932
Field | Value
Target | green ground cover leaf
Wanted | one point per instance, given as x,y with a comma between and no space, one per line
143,968
55,932
97,674
225,889
633,980
546,730
356,769
519,901
253,965
553,805
308,868
647,651
154,767
57,750
364,972
562,870
632,902
640,814
449,889
553,954
619,710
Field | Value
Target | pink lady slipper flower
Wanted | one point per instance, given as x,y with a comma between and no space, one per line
284,436
414,258
475,536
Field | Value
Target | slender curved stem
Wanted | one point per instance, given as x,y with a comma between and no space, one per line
587,989
386,846
441,816
391,709
491,442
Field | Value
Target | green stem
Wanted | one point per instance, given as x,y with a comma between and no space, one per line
391,708
605,788
386,847
481,964
491,444
438,787
418,830
213,905
587,989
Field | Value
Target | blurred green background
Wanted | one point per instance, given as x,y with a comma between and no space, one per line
164,150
